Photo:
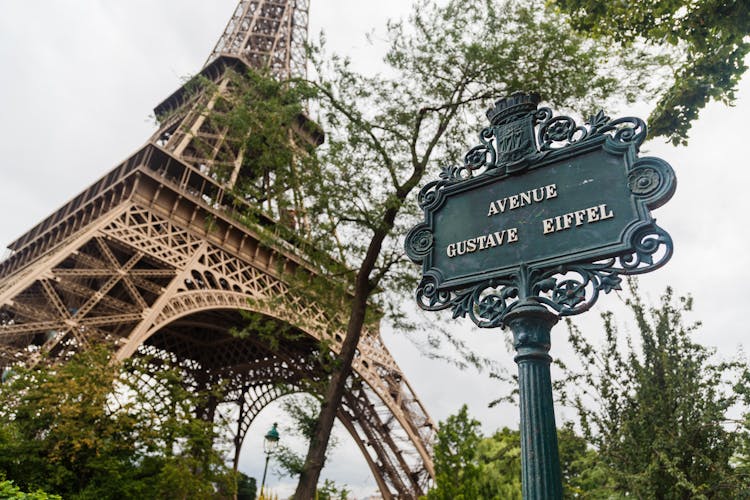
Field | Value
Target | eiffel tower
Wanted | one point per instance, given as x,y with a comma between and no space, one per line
153,259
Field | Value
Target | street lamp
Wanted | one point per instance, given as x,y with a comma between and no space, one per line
270,443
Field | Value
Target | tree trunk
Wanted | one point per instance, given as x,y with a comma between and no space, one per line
316,452
332,399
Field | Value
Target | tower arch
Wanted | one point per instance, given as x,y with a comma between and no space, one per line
160,241
253,374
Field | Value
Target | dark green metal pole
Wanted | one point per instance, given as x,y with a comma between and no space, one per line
265,469
531,324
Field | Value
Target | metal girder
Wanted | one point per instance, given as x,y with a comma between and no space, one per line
153,259
202,286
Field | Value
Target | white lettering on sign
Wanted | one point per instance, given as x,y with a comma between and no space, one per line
551,225
483,242
577,218
535,195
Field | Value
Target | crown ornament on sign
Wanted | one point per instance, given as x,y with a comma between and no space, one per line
508,108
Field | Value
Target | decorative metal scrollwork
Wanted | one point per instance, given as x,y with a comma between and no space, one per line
448,175
557,132
484,154
418,242
568,289
510,140
564,273
643,180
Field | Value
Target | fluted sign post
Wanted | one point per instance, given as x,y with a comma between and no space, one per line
543,216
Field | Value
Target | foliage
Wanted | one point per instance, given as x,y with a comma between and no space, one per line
710,37
583,476
10,491
469,466
657,412
87,429
444,64
256,115
304,411
330,491
455,458
246,487
263,115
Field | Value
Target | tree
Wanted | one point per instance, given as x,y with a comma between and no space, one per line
246,487
10,491
455,456
469,466
304,411
657,408
709,37
384,132
87,429
583,476
331,491
500,470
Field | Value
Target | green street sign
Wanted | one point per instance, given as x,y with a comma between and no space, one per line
543,210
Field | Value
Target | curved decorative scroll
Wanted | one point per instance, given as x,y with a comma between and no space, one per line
448,175
556,132
419,241
652,179
484,154
567,289
510,144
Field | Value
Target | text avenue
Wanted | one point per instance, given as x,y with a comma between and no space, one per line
551,225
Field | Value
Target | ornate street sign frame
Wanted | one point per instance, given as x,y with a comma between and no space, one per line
544,210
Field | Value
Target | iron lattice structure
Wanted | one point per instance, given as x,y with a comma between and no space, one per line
268,33
153,259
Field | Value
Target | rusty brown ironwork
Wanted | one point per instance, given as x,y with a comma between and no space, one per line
155,258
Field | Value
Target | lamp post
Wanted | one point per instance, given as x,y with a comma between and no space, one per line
270,443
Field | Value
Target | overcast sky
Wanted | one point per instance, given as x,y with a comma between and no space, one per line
78,81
